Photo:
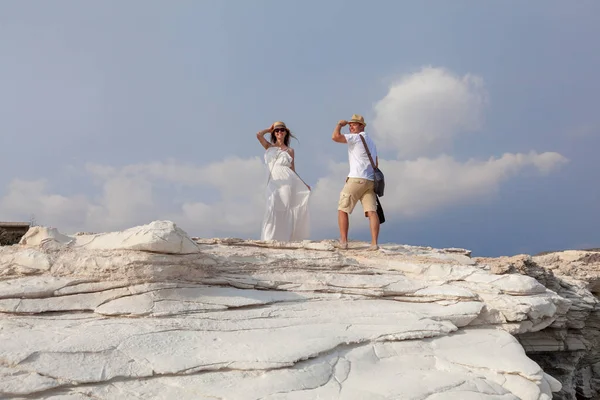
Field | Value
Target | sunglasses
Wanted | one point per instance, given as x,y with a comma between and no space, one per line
279,130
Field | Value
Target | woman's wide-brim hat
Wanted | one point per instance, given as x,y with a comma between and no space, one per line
358,119
279,124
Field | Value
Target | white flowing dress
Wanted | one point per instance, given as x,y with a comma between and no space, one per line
286,216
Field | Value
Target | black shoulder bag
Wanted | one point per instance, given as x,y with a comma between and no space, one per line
379,183
379,179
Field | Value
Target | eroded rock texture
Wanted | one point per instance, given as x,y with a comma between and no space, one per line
568,349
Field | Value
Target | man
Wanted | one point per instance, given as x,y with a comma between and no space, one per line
360,181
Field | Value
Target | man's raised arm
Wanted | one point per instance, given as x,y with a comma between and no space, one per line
337,134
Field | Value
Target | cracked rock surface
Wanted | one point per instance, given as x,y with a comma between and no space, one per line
151,313
569,348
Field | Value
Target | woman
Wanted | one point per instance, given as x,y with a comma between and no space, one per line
286,217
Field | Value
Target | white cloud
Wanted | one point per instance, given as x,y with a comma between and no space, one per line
423,185
124,201
547,162
423,112
27,199
129,196
325,195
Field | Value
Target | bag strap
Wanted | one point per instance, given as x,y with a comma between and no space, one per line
368,152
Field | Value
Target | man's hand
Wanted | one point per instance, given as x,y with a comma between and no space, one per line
337,134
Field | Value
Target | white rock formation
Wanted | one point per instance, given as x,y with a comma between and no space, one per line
569,349
157,237
42,235
150,313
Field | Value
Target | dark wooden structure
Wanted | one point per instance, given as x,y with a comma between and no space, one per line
12,232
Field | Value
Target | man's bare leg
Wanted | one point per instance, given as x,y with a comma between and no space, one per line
343,224
374,224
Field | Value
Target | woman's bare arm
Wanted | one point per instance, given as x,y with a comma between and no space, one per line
261,137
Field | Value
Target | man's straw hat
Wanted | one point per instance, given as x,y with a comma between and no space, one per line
359,119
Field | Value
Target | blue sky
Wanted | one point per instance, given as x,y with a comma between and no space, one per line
115,114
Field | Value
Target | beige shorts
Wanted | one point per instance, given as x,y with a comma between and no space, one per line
357,189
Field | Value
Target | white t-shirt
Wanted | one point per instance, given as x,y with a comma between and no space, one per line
360,166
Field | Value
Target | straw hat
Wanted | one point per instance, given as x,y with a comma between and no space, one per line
280,124
358,119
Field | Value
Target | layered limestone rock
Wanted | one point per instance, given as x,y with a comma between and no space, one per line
569,349
151,313
157,237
